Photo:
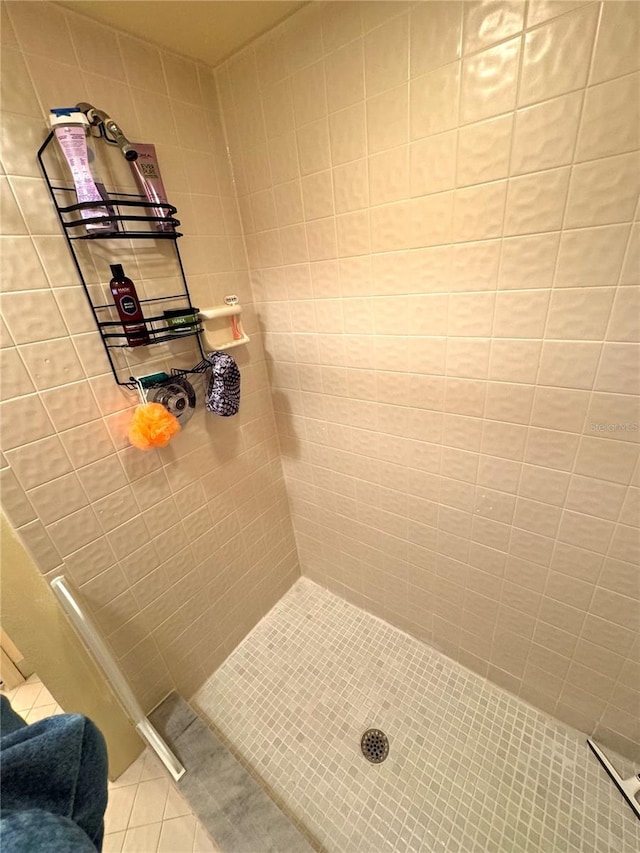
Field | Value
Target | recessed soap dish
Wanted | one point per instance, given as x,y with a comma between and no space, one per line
214,335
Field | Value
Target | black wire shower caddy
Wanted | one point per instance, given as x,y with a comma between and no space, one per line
131,211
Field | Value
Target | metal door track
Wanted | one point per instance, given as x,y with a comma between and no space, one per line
629,788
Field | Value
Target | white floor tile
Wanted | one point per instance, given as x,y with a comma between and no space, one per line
177,835
202,843
119,808
149,803
138,804
40,712
131,775
8,693
152,767
142,800
142,839
176,805
113,842
25,696
44,698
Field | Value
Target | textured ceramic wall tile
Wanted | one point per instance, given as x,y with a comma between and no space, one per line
387,55
486,23
488,85
603,191
435,35
557,55
483,151
512,177
545,134
394,167
109,518
591,257
535,203
387,119
434,101
616,44
612,105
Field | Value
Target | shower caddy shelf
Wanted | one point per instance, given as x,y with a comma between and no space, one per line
134,209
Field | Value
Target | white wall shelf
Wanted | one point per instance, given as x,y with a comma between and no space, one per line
221,336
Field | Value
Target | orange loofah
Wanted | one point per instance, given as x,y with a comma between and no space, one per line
152,426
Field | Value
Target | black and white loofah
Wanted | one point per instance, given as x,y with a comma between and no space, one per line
223,393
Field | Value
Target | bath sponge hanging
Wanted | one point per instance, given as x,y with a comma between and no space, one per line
223,393
152,424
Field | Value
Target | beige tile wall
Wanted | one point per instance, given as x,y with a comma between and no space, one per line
177,552
438,200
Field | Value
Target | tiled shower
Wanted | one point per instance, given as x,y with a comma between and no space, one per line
442,257
177,553
429,212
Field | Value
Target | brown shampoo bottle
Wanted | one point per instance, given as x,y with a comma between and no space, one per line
128,305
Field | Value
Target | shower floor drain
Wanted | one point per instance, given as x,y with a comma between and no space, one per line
374,745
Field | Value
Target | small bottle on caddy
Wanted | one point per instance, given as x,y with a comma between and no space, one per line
128,306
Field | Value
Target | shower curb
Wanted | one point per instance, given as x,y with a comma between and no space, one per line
235,810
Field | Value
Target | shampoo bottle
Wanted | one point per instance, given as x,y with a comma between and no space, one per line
71,127
128,305
146,172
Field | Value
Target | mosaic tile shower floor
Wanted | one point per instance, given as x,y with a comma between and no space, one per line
471,768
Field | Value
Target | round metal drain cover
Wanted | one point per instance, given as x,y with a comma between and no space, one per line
374,745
